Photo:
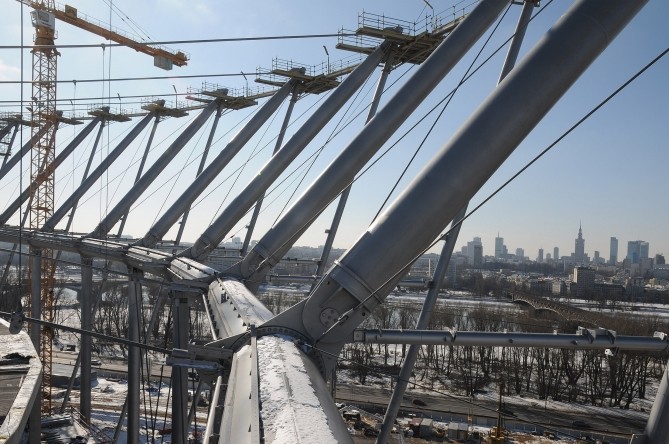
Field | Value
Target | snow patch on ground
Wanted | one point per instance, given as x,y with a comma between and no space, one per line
291,411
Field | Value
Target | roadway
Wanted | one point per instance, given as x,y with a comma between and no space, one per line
530,416
114,367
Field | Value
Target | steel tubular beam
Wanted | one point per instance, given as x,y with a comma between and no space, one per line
341,172
183,203
213,235
24,149
152,173
422,323
583,341
445,256
362,278
71,201
62,156
657,428
10,144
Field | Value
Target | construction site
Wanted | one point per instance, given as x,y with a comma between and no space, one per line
153,202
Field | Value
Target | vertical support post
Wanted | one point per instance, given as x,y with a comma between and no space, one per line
86,340
134,353
140,170
203,160
179,374
444,258
196,400
279,140
332,232
35,426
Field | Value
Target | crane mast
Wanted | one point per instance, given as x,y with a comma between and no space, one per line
42,155
44,116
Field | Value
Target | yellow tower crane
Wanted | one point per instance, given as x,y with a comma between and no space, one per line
44,116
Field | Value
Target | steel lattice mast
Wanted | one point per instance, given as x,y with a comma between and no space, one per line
42,155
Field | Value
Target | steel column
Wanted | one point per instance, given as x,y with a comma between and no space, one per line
280,161
140,170
134,353
152,173
86,340
71,201
279,140
35,425
183,203
180,374
341,171
332,232
62,156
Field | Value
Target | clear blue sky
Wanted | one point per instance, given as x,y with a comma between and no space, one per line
610,174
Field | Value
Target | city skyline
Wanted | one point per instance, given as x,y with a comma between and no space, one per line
537,210
491,247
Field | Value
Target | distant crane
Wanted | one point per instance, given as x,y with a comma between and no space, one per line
44,115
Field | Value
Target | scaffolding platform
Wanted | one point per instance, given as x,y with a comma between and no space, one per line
105,113
230,98
415,40
14,119
315,79
163,108
72,120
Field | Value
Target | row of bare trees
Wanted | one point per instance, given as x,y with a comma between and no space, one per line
587,376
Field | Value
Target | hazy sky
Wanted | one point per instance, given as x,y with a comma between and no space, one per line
609,175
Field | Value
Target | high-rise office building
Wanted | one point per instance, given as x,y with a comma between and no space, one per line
556,254
520,254
637,250
478,256
579,247
540,256
470,249
613,251
499,246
